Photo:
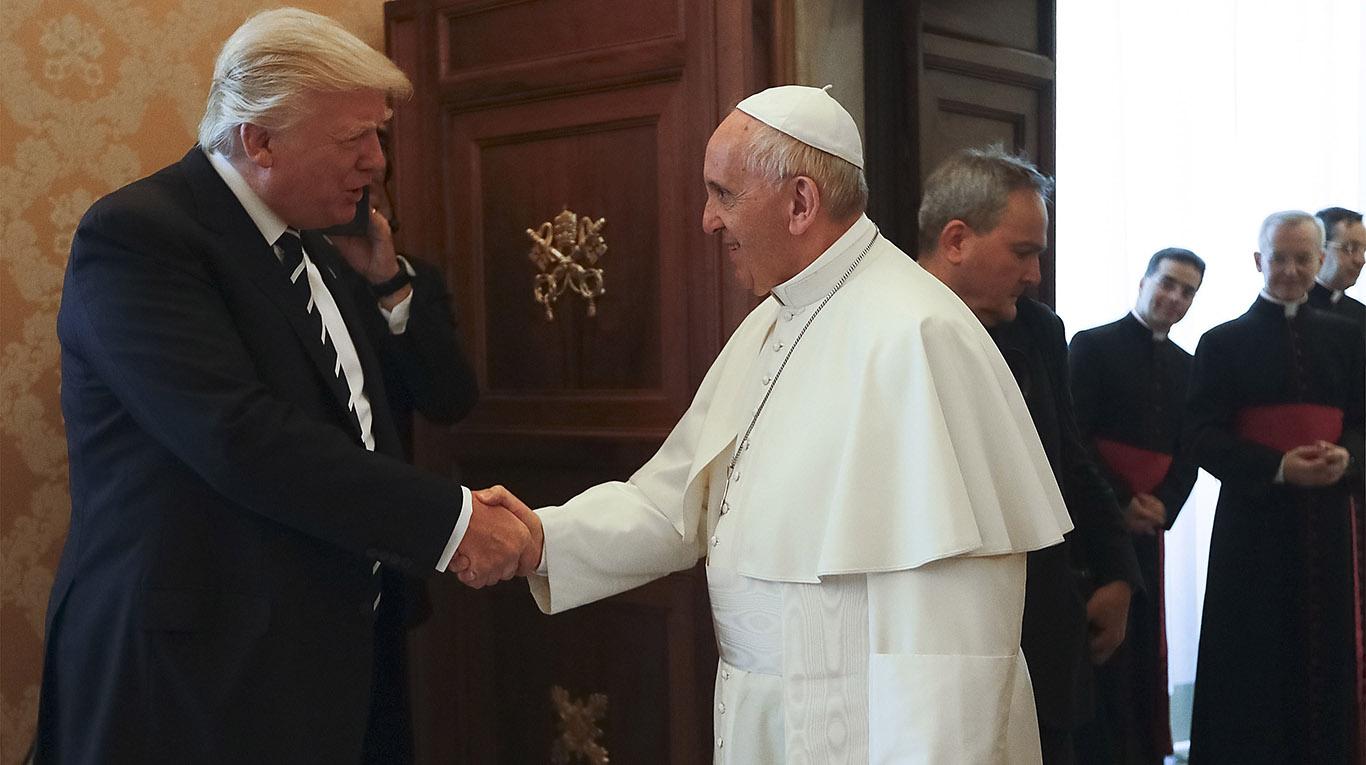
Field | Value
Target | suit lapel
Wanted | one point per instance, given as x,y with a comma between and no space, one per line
218,209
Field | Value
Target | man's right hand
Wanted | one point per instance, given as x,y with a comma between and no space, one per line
531,557
492,547
1145,515
1311,465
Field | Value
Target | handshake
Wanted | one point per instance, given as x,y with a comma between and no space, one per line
504,539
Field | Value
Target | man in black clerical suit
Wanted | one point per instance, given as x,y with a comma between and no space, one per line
239,495
1129,391
983,226
1344,256
1275,412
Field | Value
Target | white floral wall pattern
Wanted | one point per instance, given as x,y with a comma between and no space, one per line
93,94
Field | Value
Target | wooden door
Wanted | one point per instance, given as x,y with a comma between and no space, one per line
942,75
524,110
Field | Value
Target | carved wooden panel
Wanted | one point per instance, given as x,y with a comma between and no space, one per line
599,155
502,33
523,108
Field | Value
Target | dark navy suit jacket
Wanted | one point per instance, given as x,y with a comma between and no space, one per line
214,598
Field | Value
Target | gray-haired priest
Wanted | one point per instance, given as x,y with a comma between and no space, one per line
858,468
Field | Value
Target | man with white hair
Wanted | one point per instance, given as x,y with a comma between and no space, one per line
857,469
239,497
1274,411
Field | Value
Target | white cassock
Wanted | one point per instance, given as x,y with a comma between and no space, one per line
866,568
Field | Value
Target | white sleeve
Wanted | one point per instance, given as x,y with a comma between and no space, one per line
620,535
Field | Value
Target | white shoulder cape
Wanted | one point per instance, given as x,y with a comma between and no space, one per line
897,436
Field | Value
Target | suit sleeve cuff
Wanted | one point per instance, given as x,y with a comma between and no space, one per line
397,317
462,524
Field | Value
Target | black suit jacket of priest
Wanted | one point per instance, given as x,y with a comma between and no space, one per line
1096,552
214,602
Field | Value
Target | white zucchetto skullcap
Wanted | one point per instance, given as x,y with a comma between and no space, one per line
811,116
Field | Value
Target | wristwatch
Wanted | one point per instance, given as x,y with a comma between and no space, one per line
393,284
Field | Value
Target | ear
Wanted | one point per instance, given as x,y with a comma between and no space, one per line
257,144
1257,258
805,203
952,239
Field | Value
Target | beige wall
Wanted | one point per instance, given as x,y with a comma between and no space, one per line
93,94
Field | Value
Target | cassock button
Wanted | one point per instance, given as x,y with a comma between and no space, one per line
789,315
725,508
720,743
778,346
715,541
725,674
767,379
721,708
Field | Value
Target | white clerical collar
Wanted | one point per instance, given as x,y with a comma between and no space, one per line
816,280
1333,295
1291,307
1157,336
270,224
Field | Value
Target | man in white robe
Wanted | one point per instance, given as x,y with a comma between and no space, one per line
858,468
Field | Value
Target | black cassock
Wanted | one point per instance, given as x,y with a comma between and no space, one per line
1345,305
1275,680
1129,391
1096,552
1349,308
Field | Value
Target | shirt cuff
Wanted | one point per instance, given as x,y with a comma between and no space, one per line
398,315
461,526
1280,472
541,568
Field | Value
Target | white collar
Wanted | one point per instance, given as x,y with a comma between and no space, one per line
1157,336
1333,295
817,279
1292,307
270,225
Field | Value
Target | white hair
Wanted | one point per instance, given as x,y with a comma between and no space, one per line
1277,220
278,56
776,156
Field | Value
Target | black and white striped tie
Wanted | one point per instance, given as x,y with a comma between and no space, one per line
291,251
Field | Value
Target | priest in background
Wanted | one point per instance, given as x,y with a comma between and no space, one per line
1129,391
983,226
1275,413
857,468
1345,253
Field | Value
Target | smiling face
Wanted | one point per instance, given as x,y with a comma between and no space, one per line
1165,295
312,172
999,265
749,212
1345,256
1294,259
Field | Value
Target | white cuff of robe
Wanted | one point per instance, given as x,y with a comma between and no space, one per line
541,568
1280,473
461,526
398,315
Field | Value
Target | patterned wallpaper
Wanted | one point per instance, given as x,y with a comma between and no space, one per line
93,94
